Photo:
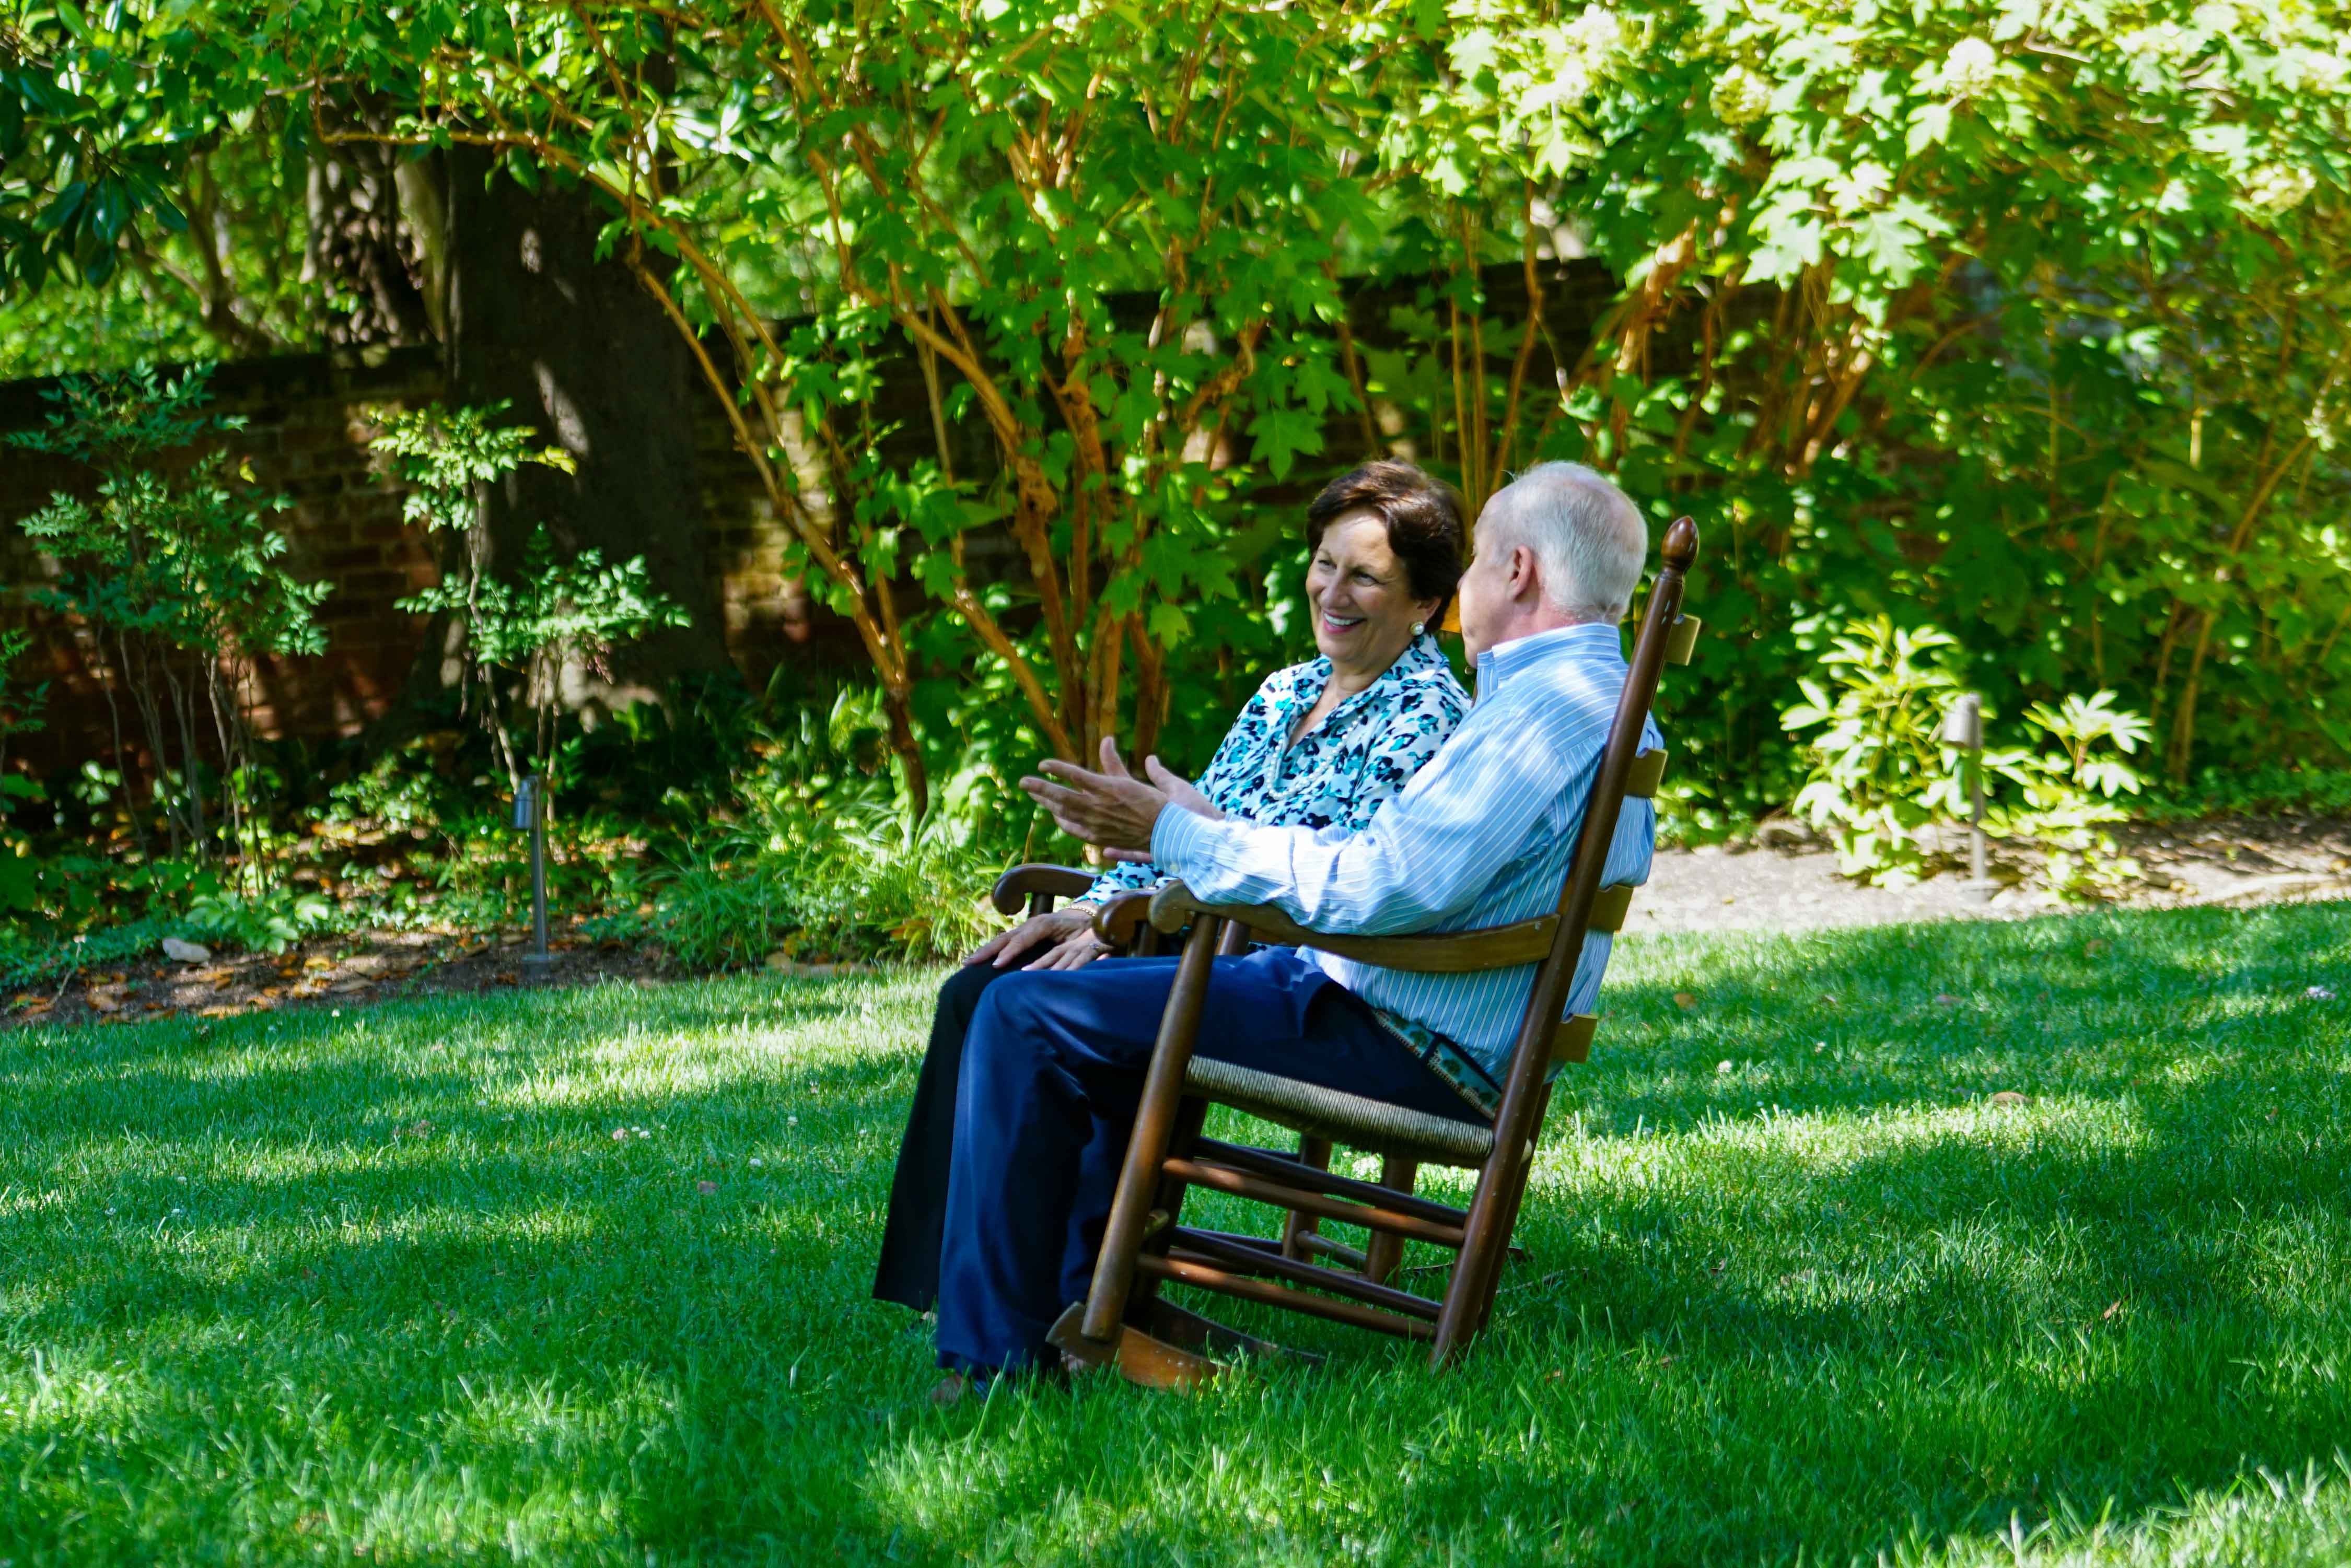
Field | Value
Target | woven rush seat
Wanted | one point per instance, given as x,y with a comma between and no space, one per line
1343,1118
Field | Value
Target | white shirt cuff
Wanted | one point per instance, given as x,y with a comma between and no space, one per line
1177,832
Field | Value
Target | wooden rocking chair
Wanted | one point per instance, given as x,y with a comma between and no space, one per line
1123,1321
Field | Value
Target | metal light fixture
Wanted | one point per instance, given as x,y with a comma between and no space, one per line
1963,729
530,812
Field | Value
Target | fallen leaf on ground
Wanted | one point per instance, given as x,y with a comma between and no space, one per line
705,1186
215,1012
2094,945
345,988
2113,1309
1945,999
105,1002
1684,1000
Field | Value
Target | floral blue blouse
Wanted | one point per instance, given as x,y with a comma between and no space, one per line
1364,752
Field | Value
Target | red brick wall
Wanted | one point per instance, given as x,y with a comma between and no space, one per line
308,425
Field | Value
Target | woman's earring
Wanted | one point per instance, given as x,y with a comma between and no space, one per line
1418,627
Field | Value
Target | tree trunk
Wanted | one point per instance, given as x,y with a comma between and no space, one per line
579,351
366,271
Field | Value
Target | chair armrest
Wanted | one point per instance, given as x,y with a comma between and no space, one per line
1118,921
1015,886
1453,953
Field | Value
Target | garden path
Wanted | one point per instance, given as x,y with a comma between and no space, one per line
1789,881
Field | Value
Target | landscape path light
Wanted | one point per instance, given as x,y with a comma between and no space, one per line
530,812
1963,729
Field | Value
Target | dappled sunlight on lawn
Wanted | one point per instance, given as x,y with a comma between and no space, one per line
582,1275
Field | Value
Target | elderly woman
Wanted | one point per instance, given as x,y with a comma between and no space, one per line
1325,742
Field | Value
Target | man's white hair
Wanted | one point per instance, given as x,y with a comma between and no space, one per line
1589,540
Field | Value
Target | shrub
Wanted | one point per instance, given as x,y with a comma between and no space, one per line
522,629
175,583
1883,783
1879,777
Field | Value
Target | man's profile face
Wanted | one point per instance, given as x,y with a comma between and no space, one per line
1485,588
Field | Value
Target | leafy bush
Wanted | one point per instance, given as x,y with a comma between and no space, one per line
175,582
2264,790
823,860
1880,778
2067,796
1883,784
265,922
522,628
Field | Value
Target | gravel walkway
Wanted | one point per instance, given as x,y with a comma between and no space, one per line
1792,884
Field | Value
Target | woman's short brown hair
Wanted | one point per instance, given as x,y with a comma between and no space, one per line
1424,518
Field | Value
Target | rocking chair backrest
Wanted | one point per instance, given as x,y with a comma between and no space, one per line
1517,1120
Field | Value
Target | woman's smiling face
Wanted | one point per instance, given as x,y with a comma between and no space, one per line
1360,595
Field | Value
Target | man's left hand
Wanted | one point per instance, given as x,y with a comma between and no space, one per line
1112,809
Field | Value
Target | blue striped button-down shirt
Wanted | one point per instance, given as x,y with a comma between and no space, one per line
1481,837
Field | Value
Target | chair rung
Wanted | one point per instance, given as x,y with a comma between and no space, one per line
1314,1178
1313,1275
1223,1179
1337,1251
1182,1271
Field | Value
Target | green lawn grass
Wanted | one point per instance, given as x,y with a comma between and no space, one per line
407,1284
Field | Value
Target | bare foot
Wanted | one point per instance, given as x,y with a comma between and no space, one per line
951,1390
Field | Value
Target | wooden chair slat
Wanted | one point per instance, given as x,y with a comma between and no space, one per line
1252,1260
1682,640
1261,1162
1185,1272
1411,1227
1648,772
1573,1040
1453,953
1609,910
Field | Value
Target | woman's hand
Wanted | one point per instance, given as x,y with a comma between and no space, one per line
1066,937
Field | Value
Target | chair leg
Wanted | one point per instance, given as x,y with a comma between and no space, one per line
1146,1149
1510,1219
1383,1252
1469,1293
1169,1202
1297,1227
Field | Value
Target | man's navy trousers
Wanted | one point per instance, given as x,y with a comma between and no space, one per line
1052,1072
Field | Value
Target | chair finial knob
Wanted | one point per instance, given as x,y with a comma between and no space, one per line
1681,544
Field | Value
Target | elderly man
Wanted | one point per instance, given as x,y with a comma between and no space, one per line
1482,837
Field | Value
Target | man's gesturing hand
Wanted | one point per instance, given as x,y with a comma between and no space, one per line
1111,807
1179,792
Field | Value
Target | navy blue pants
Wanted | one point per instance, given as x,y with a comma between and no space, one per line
1052,1071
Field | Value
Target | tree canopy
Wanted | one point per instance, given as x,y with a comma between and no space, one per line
2026,320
